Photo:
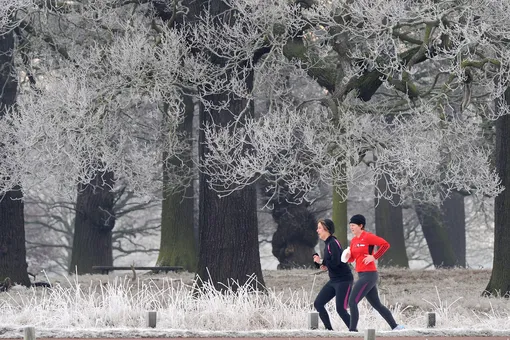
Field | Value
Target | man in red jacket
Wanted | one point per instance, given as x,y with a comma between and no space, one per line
361,251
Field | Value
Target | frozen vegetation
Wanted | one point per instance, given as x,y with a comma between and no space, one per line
118,304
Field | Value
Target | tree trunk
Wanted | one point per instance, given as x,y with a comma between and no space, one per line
94,222
340,218
389,224
499,283
435,233
13,263
454,218
296,235
229,247
177,233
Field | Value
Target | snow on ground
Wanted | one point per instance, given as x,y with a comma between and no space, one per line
115,305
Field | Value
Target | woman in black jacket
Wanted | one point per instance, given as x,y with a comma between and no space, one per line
340,275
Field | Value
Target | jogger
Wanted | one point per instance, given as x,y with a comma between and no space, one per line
340,276
361,251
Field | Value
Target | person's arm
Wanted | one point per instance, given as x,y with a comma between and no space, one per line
335,253
382,245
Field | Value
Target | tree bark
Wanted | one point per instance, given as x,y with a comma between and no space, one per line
435,233
13,264
295,237
177,246
94,222
499,283
389,225
229,248
454,217
340,218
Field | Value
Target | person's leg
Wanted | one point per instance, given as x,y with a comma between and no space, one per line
343,289
364,284
325,295
373,299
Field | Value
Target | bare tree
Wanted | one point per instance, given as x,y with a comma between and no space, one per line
432,66
50,228
96,111
13,266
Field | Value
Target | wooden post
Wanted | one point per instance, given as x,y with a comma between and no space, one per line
29,333
313,320
369,334
431,320
151,319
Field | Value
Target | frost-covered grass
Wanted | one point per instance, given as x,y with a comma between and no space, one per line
103,302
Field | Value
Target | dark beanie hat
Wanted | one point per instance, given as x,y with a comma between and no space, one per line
328,224
358,219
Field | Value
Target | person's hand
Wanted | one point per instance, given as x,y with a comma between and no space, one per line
323,267
316,259
368,259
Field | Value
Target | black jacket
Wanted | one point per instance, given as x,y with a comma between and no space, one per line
337,270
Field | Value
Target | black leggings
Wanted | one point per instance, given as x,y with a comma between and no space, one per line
341,290
366,287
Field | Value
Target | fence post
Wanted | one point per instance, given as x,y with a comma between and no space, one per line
29,333
369,334
313,320
151,319
431,320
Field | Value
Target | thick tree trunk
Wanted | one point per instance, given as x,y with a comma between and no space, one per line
296,235
389,225
177,246
499,283
229,247
94,222
13,264
454,218
435,233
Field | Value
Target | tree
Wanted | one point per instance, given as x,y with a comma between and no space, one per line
434,230
94,222
454,217
229,253
499,283
13,263
432,147
389,224
296,237
177,246
96,110
50,220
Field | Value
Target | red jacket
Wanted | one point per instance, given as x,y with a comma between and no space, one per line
364,245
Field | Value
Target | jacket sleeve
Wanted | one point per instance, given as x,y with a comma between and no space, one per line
382,245
335,251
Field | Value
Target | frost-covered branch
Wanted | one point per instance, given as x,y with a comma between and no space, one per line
8,9
98,108
426,134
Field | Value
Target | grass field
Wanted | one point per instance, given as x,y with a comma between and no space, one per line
116,301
